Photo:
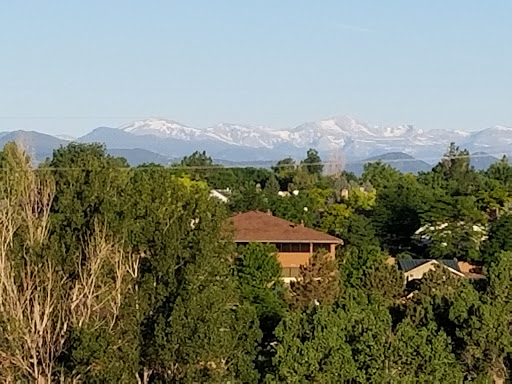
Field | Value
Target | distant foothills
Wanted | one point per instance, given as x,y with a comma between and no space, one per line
343,139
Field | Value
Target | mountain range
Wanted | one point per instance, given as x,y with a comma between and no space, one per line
161,140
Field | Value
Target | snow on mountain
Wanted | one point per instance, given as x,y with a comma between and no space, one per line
325,135
66,137
354,139
246,135
161,128
497,138
442,135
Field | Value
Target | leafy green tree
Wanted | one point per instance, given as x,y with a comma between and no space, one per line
272,186
259,279
256,175
89,191
485,324
422,354
303,180
499,239
458,177
194,325
492,196
285,169
366,269
200,166
259,276
197,159
501,171
349,342
220,178
453,227
361,199
397,212
359,232
313,163
433,299
297,209
354,229
209,337
334,219
248,197
384,280
312,348
379,174
455,163
368,328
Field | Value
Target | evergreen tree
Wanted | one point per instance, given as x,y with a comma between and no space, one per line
194,324
499,239
422,354
397,213
368,327
485,324
90,186
197,159
313,163
312,348
501,171
284,170
248,197
259,278
379,175
272,186
317,284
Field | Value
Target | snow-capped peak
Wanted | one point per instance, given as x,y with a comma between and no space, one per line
246,135
353,138
161,128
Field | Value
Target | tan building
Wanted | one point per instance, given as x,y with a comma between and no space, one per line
295,242
414,269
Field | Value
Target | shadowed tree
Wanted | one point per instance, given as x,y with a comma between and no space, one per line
317,284
313,163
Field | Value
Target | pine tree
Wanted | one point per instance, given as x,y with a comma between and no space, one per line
313,163
312,348
317,284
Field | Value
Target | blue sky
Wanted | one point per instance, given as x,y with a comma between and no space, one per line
70,66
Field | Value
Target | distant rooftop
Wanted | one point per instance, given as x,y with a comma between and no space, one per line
409,264
263,227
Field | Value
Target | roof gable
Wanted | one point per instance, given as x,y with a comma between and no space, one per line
262,227
407,265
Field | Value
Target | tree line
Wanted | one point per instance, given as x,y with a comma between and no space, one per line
116,274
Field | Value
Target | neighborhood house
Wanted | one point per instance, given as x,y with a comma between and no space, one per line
415,269
295,242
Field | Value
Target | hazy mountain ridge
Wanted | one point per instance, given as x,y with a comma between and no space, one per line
38,146
398,160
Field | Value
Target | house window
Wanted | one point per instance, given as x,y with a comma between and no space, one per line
292,247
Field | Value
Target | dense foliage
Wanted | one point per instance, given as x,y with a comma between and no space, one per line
117,274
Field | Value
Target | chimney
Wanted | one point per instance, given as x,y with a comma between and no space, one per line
269,212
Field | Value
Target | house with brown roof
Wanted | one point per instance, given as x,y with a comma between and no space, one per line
295,242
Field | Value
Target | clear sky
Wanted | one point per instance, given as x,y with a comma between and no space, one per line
70,66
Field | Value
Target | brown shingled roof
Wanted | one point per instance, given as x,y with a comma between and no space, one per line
263,227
